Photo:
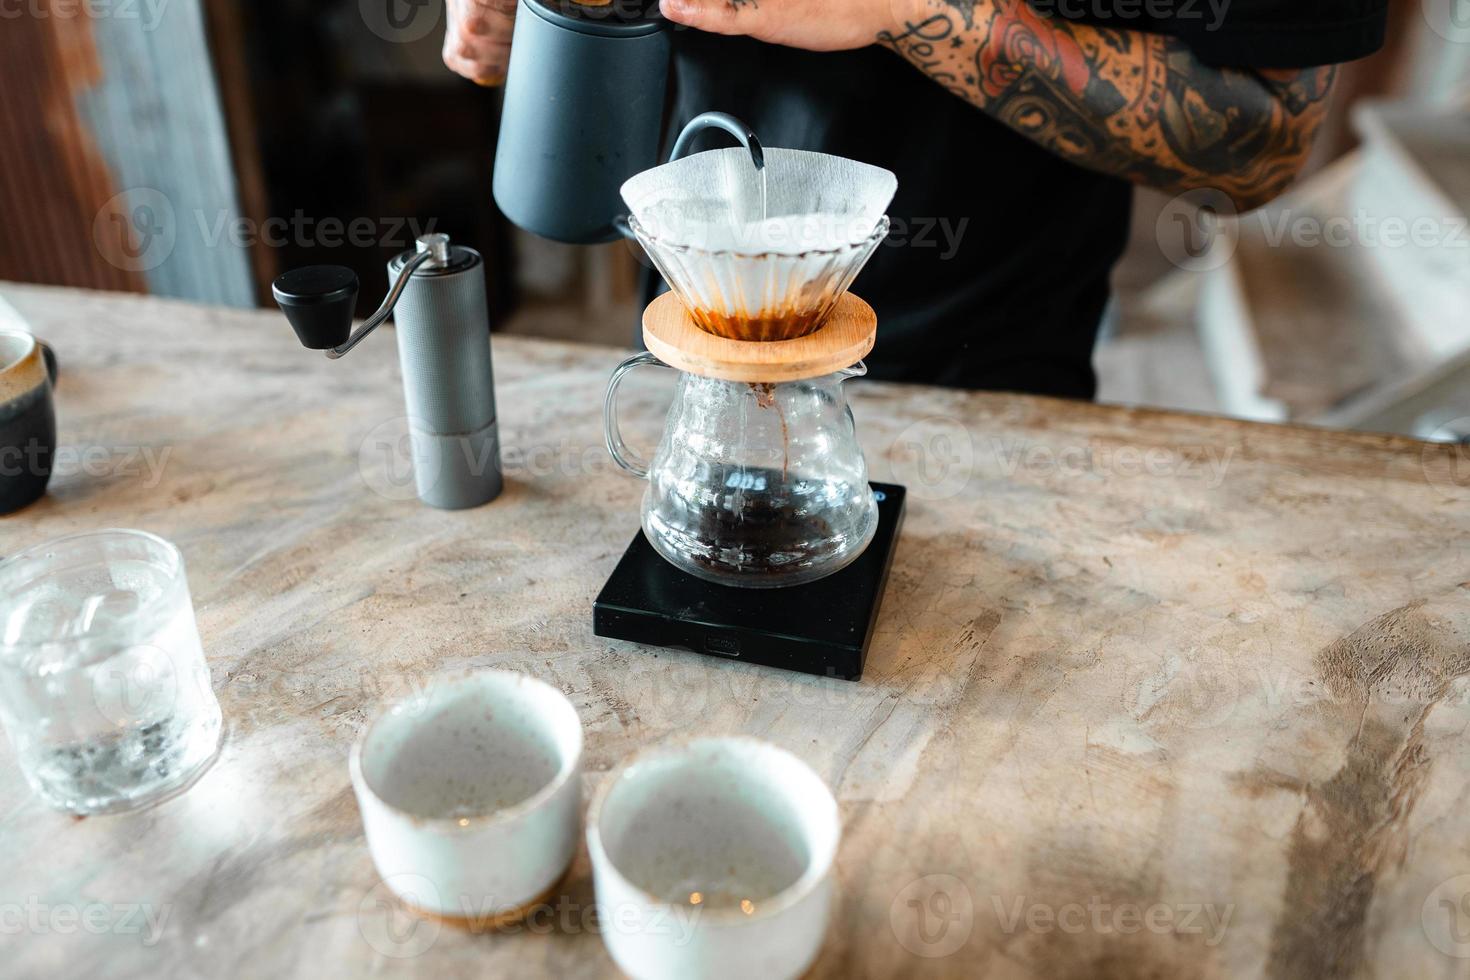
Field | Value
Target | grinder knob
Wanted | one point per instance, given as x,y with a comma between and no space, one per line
319,300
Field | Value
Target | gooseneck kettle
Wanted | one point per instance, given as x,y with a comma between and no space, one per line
583,112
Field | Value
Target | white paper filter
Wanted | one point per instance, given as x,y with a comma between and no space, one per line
712,201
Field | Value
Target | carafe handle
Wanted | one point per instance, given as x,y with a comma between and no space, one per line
616,447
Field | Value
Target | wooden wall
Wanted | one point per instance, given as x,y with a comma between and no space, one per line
115,170
53,179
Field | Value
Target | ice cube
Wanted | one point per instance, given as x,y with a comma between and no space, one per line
112,606
43,615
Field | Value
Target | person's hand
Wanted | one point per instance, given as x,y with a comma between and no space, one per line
477,40
815,25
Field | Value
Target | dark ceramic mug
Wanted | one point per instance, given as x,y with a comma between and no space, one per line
27,419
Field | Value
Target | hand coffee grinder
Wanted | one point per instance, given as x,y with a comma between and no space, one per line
437,301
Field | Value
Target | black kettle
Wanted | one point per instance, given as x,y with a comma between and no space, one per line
583,111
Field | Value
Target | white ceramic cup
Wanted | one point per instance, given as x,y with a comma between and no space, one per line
470,795
713,858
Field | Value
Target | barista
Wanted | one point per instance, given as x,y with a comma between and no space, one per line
1016,129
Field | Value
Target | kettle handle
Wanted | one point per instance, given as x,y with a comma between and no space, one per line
616,447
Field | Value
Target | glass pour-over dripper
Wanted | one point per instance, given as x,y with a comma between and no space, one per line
760,253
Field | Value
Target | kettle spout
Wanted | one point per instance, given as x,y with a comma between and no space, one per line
731,125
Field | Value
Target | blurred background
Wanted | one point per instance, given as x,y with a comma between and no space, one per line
196,148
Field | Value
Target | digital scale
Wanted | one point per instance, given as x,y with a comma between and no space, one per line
821,628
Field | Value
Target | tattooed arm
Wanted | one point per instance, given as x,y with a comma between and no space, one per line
1129,103
1137,105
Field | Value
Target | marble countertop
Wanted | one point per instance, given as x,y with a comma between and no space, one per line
1150,694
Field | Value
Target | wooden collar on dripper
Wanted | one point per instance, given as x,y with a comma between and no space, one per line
673,336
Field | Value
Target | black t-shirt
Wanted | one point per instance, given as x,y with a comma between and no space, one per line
996,272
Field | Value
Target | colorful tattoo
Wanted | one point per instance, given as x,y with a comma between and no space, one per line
1137,105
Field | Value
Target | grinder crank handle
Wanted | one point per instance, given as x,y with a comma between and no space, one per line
319,300
616,447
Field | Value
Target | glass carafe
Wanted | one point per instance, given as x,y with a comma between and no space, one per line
754,485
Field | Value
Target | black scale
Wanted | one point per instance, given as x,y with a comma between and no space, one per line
821,628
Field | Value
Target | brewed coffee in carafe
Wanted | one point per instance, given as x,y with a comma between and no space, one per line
754,484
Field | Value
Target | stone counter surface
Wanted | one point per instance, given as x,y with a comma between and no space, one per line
1150,694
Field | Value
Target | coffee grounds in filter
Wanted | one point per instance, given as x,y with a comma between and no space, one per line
761,327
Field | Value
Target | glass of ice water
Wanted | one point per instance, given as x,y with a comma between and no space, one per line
103,686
